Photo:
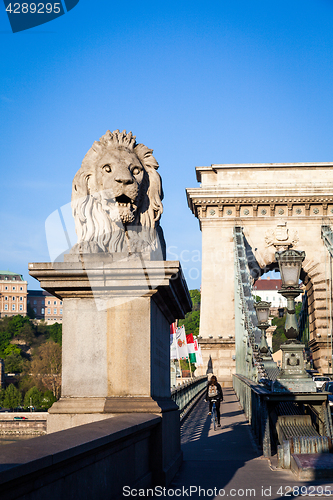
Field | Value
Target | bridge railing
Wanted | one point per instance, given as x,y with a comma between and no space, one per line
186,395
252,400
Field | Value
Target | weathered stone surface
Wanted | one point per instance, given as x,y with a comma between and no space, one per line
117,198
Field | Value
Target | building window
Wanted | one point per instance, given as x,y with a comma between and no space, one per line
6,287
6,298
273,298
54,302
13,298
14,288
49,311
43,310
6,307
54,311
61,302
48,302
35,302
35,310
21,307
43,302
21,288
13,307
60,311
21,298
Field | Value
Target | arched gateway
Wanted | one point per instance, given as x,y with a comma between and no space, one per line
277,205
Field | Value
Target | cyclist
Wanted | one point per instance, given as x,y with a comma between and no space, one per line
214,392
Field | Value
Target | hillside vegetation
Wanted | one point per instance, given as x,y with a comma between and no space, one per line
31,351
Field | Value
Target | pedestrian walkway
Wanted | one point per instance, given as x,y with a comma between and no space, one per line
227,462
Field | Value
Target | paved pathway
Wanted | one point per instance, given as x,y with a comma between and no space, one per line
229,460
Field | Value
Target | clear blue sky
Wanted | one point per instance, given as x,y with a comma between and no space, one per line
198,82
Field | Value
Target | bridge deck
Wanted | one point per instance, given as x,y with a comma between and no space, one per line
228,458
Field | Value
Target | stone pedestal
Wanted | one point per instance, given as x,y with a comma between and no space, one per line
293,377
116,341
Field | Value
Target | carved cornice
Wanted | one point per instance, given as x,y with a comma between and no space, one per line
202,201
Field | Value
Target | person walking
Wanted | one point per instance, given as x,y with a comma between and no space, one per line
214,392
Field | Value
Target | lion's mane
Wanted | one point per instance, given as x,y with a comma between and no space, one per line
97,230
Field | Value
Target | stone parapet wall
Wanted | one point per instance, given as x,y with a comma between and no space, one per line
89,462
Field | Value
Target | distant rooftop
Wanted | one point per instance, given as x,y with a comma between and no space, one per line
8,275
267,284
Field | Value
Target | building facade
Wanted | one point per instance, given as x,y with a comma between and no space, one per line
45,306
13,294
267,289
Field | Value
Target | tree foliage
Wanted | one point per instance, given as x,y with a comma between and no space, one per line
192,319
14,362
12,397
33,397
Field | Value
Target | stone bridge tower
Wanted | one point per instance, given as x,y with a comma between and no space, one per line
276,205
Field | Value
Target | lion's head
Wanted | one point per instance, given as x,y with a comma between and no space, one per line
117,197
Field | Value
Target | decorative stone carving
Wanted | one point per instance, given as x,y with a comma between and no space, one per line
246,211
212,212
281,237
117,198
281,211
316,211
263,211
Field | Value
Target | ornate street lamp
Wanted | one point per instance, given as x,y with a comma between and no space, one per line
293,377
290,264
262,311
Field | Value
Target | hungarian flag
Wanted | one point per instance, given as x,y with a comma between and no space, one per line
190,347
181,343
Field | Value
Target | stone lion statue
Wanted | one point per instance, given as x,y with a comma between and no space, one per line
117,198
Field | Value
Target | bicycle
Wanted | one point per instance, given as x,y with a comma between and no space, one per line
214,414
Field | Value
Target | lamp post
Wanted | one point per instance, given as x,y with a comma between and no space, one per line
262,312
293,377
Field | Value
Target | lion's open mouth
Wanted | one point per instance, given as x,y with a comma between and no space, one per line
126,208
123,201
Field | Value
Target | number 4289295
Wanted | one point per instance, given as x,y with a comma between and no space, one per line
34,8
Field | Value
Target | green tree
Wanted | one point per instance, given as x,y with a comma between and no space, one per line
192,319
55,333
33,397
14,362
4,342
48,399
2,396
12,397
196,299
